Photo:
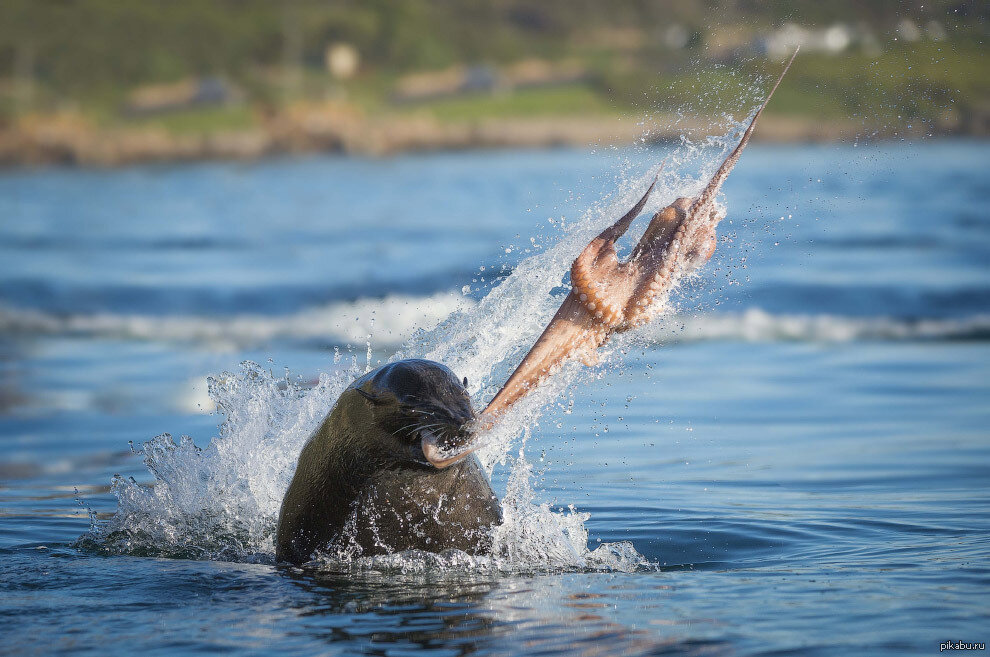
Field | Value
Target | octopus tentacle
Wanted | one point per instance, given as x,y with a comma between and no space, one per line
590,294
638,310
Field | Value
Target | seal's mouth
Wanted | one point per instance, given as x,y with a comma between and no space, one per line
445,450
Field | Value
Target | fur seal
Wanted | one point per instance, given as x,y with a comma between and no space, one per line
363,484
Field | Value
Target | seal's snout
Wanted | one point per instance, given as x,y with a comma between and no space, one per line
425,405
443,449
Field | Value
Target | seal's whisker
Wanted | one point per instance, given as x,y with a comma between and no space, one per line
435,425
407,426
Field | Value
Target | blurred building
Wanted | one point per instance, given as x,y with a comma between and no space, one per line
185,94
782,41
342,60
463,80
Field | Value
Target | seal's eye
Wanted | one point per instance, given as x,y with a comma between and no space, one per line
374,399
465,382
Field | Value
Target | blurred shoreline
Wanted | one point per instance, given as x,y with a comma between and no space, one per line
102,84
69,140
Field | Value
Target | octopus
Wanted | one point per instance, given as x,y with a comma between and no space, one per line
610,296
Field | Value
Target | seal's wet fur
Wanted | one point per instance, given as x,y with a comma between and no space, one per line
363,485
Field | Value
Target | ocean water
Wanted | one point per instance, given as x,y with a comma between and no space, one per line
795,460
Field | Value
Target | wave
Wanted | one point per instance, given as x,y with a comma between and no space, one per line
390,321
384,322
755,325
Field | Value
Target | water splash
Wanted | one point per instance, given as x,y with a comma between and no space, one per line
533,537
222,501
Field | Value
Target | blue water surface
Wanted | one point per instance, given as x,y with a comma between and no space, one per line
813,478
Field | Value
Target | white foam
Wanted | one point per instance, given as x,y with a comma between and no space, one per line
389,321
532,537
756,325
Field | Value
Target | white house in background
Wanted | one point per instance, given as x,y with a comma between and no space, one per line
839,36
676,36
782,41
935,30
907,30
342,60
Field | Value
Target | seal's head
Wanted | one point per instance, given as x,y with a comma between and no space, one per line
374,475
423,411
